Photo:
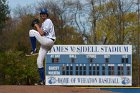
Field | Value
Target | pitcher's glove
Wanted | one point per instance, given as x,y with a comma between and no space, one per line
35,21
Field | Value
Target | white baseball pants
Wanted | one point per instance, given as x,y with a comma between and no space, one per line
46,45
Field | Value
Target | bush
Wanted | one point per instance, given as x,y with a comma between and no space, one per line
16,68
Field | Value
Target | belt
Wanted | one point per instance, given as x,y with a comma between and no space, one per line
52,39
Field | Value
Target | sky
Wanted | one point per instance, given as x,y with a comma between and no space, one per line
14,3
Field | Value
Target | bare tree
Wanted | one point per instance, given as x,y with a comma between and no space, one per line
111,15
119,10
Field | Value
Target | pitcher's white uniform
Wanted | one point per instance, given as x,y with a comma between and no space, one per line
46,41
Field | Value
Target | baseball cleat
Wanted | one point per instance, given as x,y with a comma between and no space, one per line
40,83
32,53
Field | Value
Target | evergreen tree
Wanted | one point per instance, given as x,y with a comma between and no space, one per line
4,11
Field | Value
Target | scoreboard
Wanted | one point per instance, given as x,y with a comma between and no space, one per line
96,65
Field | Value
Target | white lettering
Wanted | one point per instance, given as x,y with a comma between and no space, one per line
54,72
53,67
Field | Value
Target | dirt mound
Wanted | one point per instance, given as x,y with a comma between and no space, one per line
47,89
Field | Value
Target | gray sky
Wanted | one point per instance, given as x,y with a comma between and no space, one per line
13,3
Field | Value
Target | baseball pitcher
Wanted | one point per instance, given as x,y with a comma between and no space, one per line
45,35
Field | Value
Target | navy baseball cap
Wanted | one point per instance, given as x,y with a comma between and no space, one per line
43,11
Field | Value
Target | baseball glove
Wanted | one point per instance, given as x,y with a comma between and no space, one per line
35,21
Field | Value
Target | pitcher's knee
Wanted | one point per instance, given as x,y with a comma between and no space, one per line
31,33
39,64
